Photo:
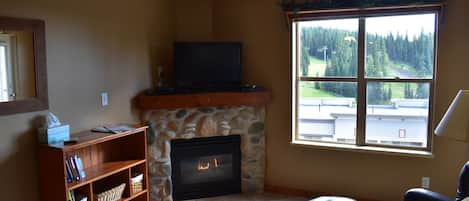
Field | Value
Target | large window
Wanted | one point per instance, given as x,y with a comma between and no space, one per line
364,79
6,85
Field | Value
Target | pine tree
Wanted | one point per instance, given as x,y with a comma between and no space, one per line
304,61
408,94
316,84
382,51
389,94
422,91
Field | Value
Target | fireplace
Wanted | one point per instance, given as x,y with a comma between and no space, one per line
205,167
165,158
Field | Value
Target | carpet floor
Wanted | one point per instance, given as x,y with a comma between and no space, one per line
253,197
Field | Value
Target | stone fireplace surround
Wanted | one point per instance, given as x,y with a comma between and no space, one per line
187,123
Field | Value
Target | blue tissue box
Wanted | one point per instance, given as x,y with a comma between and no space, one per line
54,135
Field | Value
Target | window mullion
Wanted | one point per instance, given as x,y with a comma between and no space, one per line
295,79
361,86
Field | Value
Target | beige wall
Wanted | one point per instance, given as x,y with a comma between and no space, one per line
92,46
194,20
261,26
114,46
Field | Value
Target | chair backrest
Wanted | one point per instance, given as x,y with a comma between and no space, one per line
463,187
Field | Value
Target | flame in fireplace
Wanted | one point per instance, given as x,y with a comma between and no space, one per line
201,166
207,164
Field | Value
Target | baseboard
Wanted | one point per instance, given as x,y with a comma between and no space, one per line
299,192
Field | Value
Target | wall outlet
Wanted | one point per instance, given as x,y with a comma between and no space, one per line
425,182
104,99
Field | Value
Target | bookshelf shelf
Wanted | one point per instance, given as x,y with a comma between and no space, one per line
103,170
136,195
108,161
87,138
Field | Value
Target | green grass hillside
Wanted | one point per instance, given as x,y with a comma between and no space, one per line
307,90
316,67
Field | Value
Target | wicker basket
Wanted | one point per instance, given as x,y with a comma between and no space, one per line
137,184
113,194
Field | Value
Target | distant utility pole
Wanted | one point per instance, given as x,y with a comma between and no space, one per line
324,50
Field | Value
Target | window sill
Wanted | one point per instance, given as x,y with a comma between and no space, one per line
363,149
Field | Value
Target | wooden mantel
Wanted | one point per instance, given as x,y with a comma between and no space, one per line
146,102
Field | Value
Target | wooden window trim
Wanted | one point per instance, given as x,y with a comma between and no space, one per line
361,12
361,79
361,85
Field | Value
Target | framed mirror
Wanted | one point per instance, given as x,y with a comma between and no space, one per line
23,71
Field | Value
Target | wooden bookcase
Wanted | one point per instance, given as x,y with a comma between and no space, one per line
108,159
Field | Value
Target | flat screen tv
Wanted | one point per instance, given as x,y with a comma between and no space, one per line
207,65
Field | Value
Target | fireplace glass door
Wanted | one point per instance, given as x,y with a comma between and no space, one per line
204,167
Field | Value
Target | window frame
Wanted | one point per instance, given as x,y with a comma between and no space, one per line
361,80
6,42
4,95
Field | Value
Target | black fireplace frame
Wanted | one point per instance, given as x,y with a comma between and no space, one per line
198,147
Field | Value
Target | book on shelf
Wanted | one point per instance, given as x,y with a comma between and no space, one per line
76,174
69,172
69,196
74,169
80,168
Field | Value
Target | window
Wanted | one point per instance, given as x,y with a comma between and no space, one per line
361,78
6,85
3,75
402,133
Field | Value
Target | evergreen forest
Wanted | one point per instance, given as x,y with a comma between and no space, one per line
327,52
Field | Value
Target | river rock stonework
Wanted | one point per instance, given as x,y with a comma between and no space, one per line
187,123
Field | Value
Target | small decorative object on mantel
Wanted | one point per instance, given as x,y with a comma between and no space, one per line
52,131
300,5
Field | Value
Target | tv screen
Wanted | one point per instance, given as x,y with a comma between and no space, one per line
207,64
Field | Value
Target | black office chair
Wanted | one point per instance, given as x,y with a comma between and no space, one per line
420,194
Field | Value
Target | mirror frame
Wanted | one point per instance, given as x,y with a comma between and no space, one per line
40,101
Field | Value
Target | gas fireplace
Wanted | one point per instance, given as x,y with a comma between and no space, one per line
205,167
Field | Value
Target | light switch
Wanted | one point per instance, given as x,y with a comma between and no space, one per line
425,182
104,99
